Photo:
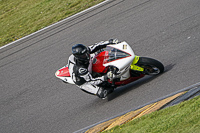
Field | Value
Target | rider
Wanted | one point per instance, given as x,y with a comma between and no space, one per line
80,67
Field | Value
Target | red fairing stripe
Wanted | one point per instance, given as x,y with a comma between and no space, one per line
63,72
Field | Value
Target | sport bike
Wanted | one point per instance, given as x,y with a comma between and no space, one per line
120,64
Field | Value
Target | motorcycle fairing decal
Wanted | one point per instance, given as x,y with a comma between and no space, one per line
124,46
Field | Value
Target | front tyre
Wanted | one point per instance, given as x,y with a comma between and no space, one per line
151,66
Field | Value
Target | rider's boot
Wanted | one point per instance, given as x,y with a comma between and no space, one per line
103,93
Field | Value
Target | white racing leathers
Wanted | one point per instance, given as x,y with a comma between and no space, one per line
81,72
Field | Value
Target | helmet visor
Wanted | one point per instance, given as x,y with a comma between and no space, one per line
83,57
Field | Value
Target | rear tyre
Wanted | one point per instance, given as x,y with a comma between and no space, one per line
151,66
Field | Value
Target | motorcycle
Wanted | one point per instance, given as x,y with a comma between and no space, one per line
120,63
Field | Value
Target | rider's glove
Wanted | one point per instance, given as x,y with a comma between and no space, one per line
113,41
105,77
110,75
100,43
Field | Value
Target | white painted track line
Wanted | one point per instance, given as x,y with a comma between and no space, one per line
56,23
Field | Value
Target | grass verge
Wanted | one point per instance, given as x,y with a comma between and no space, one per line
19,18
181,118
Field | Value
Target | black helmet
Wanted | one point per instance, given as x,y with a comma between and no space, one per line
81,53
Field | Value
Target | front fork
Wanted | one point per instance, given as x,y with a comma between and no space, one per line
134,66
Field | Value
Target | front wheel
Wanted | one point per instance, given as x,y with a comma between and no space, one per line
151,66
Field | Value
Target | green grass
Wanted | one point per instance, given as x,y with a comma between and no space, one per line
182,118
19,18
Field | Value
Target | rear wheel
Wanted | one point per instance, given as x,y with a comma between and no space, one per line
151,66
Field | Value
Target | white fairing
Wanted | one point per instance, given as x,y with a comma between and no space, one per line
66,79
125,62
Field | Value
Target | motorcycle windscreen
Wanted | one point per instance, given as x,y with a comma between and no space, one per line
118,57
114,54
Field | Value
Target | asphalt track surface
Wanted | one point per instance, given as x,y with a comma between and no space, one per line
32,99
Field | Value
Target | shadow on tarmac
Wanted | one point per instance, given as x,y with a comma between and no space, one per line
134,85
